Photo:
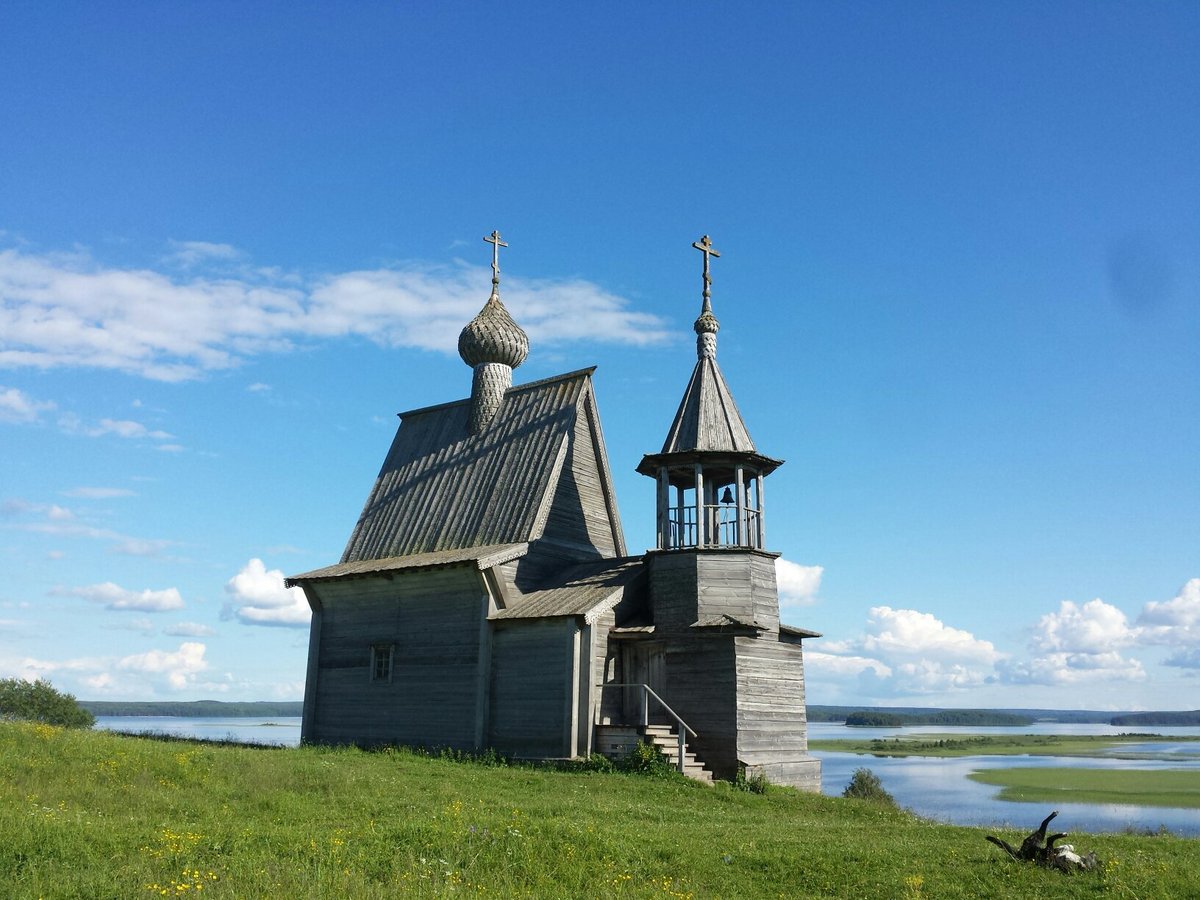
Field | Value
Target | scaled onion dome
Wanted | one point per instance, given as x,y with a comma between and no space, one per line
493,337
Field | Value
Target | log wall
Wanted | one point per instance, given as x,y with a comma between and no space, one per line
772,720
533,695
431,620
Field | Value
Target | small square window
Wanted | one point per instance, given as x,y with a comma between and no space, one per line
381,662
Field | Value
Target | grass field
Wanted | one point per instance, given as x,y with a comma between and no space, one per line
1003,745
97,815
1138,787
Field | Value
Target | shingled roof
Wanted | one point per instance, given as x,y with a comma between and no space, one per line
708,419
442,488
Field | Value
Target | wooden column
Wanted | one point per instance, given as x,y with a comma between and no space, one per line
762,512
664,509
680,527
701,513
740,536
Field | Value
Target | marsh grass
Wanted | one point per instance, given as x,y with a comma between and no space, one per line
1136,787
98,815
949,745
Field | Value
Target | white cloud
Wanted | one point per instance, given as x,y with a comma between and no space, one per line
190,253
179,667
1095,627
908,634
58,521
798,585
259,597
113,596
142,546
1077,645
98,493
906,652
1184,659
69,311
1175,621
18,407
189,629
122,428
1072,669
830,666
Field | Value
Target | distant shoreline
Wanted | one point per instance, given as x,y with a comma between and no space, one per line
195,708
816,712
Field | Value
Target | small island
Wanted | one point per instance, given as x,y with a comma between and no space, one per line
973,718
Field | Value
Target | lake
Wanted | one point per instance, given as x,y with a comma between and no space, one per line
935,788
939,789
282,731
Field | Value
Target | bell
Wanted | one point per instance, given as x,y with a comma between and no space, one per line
727,497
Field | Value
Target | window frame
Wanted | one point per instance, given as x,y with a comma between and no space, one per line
382,654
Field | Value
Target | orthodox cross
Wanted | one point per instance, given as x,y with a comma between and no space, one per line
494,240
704,245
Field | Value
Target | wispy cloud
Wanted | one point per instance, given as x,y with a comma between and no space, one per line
191,253
17,406
98,493
113,596
58,521
189,629
122,428
70,311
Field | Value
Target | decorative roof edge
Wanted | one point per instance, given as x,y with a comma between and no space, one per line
485,557
796,634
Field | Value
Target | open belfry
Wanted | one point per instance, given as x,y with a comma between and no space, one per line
486,598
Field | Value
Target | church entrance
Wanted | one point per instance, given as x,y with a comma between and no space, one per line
644,662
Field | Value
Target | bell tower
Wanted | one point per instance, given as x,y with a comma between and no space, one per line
709,474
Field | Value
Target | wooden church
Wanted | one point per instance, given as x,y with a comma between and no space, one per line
486,598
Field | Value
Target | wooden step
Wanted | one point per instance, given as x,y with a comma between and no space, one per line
614,742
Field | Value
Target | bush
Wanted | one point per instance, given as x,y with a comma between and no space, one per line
752,784
38,701
865,785
645,759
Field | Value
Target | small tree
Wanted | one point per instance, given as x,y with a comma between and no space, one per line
865,785
38,701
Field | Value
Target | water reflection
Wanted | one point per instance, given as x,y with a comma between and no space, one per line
939,789
281,731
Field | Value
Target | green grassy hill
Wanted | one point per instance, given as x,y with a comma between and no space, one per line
92,814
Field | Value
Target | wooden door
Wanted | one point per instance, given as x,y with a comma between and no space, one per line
645,662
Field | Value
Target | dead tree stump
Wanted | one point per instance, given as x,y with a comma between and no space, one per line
1040,850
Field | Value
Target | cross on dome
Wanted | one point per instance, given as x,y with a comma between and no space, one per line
704,245
494,240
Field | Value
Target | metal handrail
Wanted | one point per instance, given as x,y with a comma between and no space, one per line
648,692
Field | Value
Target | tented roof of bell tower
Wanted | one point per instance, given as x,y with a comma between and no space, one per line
708,418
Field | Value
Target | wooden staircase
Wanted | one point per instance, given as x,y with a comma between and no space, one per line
616,742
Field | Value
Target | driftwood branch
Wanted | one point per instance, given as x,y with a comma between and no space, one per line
1040,850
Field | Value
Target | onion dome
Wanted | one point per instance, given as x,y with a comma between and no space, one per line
493,337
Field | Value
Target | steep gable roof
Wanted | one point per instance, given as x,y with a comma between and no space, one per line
442,488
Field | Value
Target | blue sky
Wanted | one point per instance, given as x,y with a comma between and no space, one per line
959,294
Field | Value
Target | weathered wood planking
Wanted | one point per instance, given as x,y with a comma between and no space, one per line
430,618
772,716
532,687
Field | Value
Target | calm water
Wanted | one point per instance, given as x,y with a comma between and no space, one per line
938,789
283,731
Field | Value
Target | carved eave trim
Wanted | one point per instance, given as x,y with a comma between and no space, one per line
652,462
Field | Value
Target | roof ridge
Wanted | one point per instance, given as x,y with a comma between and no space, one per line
516,388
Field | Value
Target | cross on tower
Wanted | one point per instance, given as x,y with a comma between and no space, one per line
704,245
494,240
